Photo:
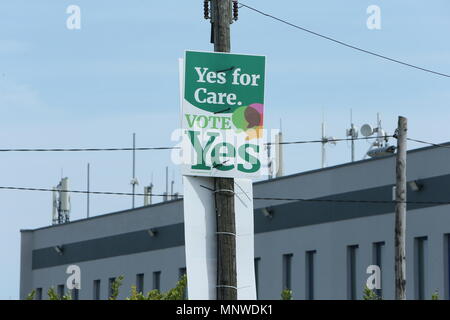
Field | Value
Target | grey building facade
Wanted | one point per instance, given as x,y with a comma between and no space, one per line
320,249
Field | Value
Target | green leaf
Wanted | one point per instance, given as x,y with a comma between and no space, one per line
370,294
286,294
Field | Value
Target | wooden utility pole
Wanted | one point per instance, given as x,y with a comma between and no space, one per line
221,18
400,211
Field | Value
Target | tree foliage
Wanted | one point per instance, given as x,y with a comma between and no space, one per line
435,295
31,295
115,286
52,295
177,293
286,294
369,294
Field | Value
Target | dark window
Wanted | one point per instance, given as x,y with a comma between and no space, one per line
38,295
60,291
96,293
377,259
140,282
309,260
420,266
110,286
181,273
351,272
257,262
75,294
157,280
287,271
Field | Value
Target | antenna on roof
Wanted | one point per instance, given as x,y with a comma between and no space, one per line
275,163
54,206
172,196
279,153
148,191
269,162
166,194
325,140
353,134
134,180
380,147
61,202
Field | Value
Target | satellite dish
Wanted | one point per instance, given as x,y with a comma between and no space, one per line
366,130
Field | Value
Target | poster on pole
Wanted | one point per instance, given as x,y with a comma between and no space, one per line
222,114
201,238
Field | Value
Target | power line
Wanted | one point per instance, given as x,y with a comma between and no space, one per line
84,149
326,140
175,148
254,198
178,148
84,192
350,200
164,148
344,43
430,143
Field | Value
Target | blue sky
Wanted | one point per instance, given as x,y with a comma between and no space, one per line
94,87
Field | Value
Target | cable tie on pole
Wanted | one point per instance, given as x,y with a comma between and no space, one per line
226,286
224,191
227,233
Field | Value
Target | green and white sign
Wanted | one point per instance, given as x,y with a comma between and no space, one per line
222,114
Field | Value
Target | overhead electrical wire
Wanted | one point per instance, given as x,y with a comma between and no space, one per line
327,140
179,148
351,201
254,198
84,149
84,192
344,43
164,148
429,143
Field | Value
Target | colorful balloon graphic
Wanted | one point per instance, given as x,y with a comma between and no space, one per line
249,119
